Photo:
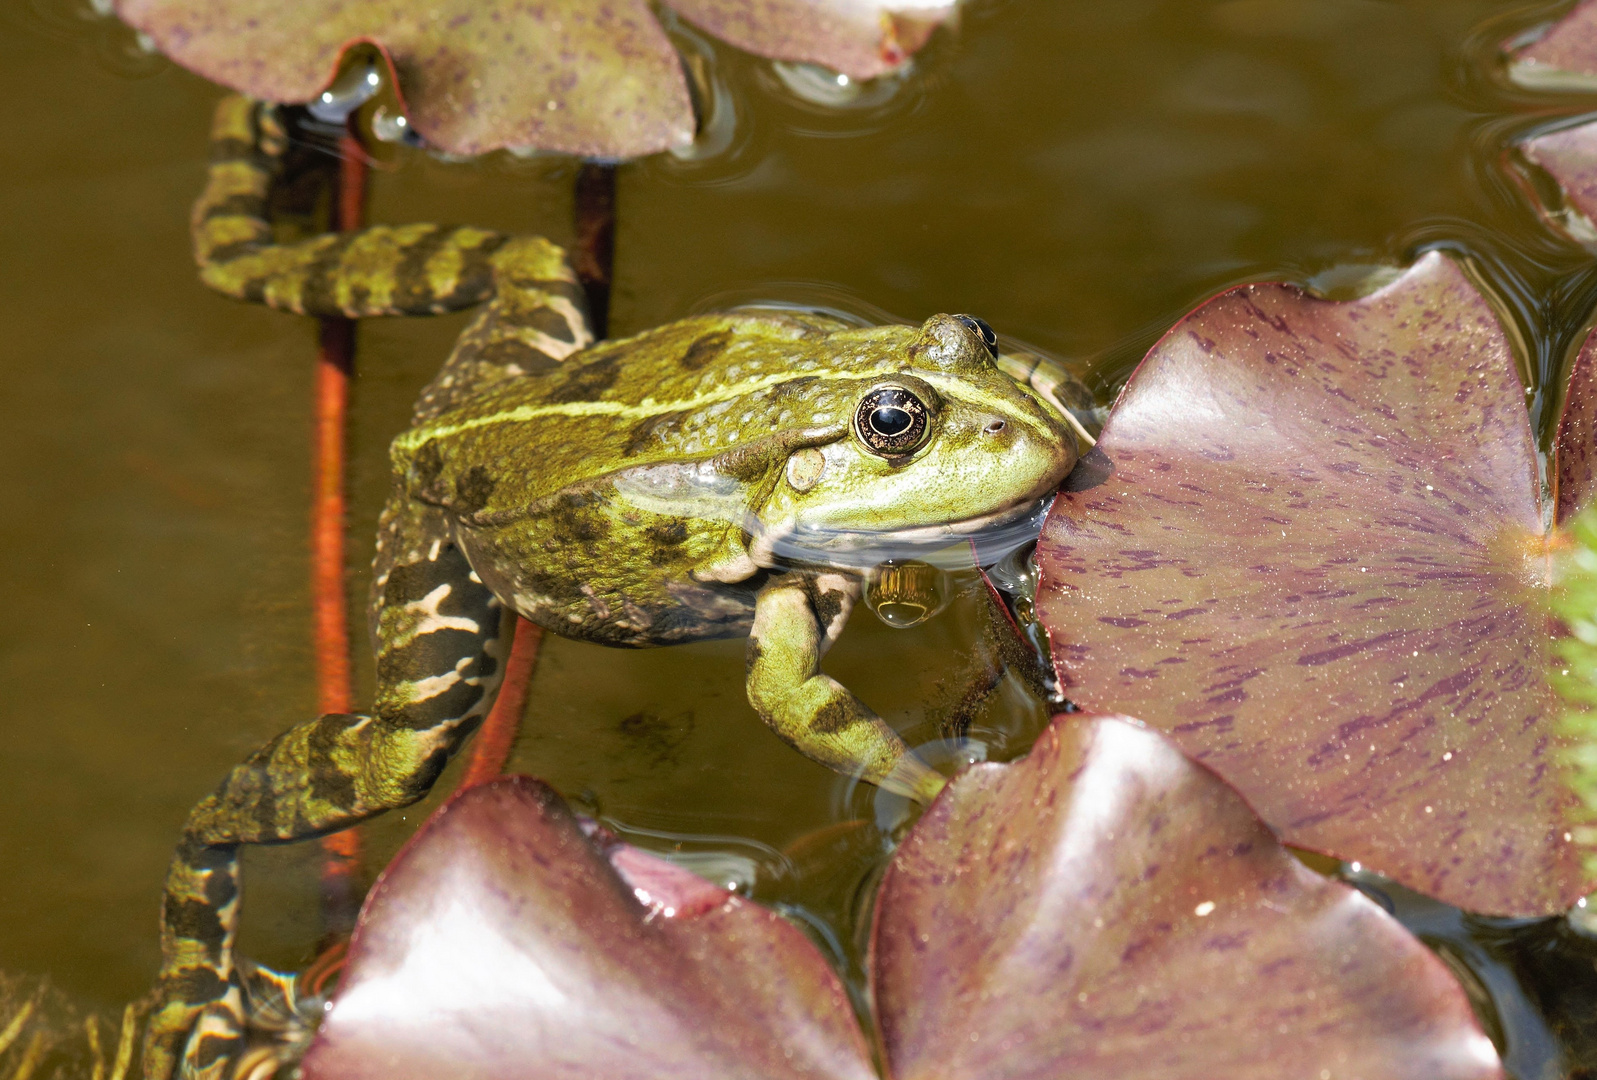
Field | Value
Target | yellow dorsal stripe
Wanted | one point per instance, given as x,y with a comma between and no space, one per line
648,407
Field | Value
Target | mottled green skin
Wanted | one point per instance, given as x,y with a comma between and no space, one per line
632,495
705,479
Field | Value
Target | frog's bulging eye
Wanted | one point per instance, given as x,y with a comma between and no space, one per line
891,421
980,328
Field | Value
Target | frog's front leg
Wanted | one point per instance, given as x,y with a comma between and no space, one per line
797,616
439,653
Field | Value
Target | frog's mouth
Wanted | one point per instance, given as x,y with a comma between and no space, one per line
976,541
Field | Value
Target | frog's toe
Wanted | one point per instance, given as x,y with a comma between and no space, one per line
215,1041
914,779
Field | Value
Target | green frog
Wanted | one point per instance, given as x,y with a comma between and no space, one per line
729,475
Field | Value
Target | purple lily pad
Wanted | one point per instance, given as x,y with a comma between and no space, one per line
1575,465
1565,56
861,38
1107,908
597,79
1315,565
503,942
1104,907
570,75
1569,157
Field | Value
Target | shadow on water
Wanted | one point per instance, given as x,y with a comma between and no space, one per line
1533,982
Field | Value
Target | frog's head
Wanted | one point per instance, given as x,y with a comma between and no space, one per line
941,445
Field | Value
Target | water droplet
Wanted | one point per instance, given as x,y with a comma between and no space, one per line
905,594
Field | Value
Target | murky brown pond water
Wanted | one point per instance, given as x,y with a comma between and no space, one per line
1078,173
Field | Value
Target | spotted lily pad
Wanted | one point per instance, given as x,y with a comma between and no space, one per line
1316,565
1107,908
861,38
503,936
570,75
1569,156
1575,451
1564,56
1104,907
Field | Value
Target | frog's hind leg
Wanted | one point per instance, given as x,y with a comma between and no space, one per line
438,669
380,270
536,313
537,318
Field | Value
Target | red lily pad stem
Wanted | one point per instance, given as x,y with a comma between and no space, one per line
335,363
491,748
594,207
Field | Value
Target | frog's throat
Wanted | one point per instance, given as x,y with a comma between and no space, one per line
784,542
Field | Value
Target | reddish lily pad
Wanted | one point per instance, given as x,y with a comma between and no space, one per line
1107,908
502,937
477,75
1575,464
861,38
1103,908
1565,56
1569,157
598,79
1315,566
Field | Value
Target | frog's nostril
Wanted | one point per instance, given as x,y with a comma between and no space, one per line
992,427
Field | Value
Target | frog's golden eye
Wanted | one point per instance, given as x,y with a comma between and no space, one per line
891,421
980,328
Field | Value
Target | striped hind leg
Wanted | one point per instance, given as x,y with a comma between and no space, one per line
439,659
537,317
416,269
381,270
536,313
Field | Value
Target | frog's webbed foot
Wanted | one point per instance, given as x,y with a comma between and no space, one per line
1064,392
438,668
279,1022
797,616
264,1020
